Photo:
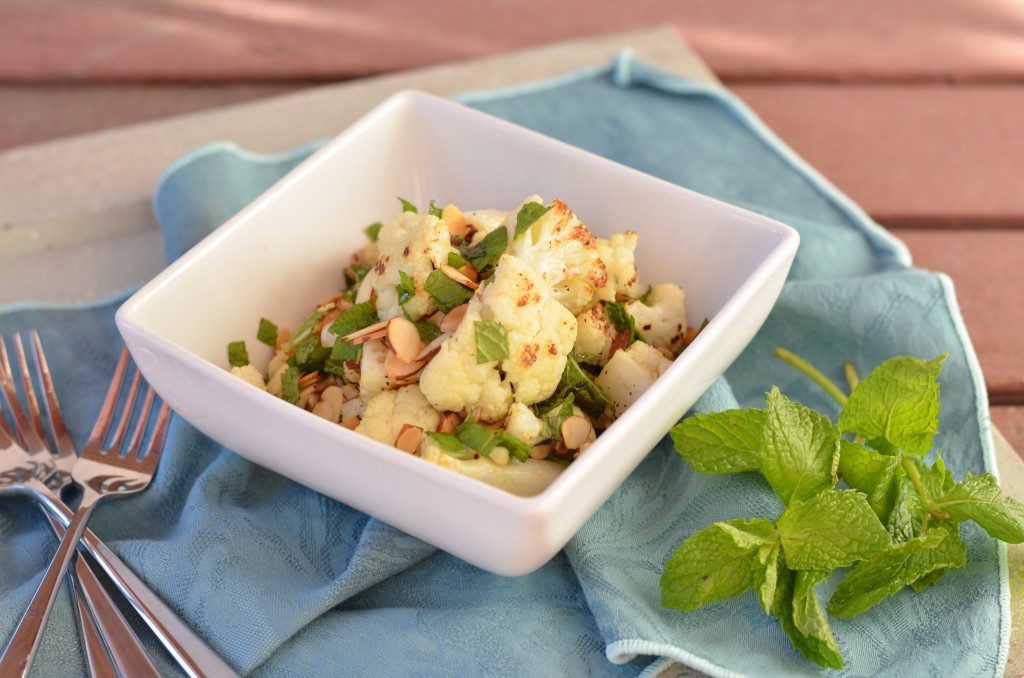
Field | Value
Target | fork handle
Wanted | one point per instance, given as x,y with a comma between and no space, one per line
21,649
193,655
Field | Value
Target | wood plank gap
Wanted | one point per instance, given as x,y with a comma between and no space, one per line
974,223
1003,398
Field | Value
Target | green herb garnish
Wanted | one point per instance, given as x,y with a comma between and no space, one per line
354,275
408,206
354,318
528,216
491,341
428,330
446,292
623,320
898,525
483,440
290,385
373,230
487,252
587,395
406,289
456,260
267,333
238,355
434,210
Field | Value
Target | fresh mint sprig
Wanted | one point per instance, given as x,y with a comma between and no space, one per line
896,520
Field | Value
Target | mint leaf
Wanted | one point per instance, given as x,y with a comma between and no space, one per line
766,574
800,614
267,333
623,320
450,443
832,529
354,318
489,250
901,524
588,395
889,571
456,260
528,216
406,289
446,292
491,341
290,384
980,499
238,355
408,206
714,564
800,449
434,210
373,231
428,330
304,330
553,416
721,442
898,403
483,440
876,475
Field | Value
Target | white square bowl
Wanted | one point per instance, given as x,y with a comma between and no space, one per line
283,253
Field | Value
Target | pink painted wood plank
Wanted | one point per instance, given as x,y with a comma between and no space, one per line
274,39
911,155
1010,422
986,270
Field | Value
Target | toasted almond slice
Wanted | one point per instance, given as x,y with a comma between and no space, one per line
621,340
575,431
470,272
309,379
350,423
409,438
374,331
433,347
404,338
324,409
453,318
540,451
283,335
399,370
453,217
449,422
458,276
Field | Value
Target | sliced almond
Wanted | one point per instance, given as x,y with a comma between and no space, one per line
374,331
470,272
575,431
404,338
433,347
621,340
453,217
458,276
540,451
324,410
449,422
453,318
399,370
350,423
309,379
409,438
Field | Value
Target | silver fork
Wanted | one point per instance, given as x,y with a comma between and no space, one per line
102,627
103,471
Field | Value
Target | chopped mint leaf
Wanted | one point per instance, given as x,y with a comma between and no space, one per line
267,333
456,260
290,385
890,570
721,442
406,289
356,317
714,564
491,341
876,475
766,574
428,330
304,329
310,354
342,351
528,216
831,529
449,442
643,298
238,355
588,395
979,498
477,437
354,275
799,612
434,210
408,206
623,320
553,416
801,449
898,403
487,251
446,292
373,231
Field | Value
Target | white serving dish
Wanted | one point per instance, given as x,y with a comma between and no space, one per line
282,254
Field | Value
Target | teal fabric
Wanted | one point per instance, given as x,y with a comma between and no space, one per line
285,582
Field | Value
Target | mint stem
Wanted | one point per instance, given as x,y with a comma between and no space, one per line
812,373
852,378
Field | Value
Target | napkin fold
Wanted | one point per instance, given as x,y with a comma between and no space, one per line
283,581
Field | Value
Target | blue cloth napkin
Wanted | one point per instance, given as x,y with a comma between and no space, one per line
285,582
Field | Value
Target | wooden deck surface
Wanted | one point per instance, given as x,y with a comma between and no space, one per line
912,107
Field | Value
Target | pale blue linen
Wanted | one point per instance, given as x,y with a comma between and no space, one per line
285,582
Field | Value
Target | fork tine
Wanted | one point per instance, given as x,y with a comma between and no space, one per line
140,428
99,431
31,401
156,439
126,415
60,432
24,433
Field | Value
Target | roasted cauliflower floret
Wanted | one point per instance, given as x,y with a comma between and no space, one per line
414,244
388,411
562,250
250,374
617,253
662,319
454,380
541,332
594,337
630,372
524,424
373,373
